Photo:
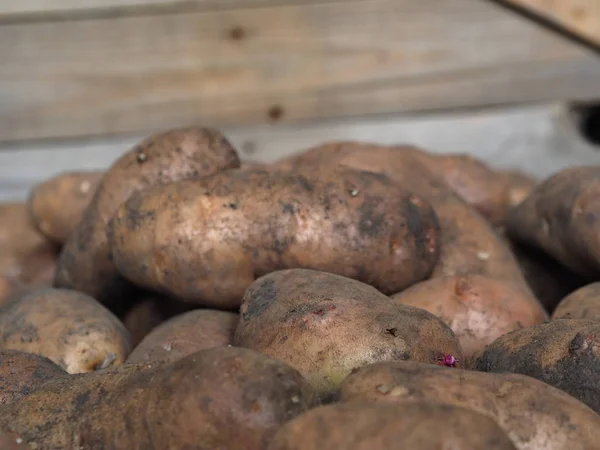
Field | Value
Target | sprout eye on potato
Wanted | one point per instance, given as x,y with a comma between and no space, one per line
326,325
205,241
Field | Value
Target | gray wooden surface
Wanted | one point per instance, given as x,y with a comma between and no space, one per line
539,139
138,68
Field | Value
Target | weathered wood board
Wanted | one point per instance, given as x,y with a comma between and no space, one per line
256,62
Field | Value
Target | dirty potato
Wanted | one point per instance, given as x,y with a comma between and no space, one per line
584,303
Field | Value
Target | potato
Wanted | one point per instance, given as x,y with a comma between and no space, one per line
325,325
85,263
419,426
519,185
27,257
11,441
468,243
559,217
141,319
564,353
222,398
479,309
185,334
56,205
68,327
21,373
533,414
584,303
205,241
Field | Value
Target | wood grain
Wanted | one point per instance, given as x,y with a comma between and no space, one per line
285,63
581,17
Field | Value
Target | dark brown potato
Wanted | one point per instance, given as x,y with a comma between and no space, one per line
21,373
584,303
223,398
468,243
85,263
369,426
533,414
185,334
560,217
68,327
205,241
564,353
479,309
56,205
325,326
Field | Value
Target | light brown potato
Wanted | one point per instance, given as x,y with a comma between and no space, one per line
85,263
369,426
185,334
533,414
560,216
563,353
584,303
468,243
68,327
21,373
56,205
325,326
222,398
479,309
205,241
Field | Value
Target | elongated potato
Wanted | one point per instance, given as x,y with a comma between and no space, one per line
223,398
563,353
326,325
85,262
21,373
68,327
533,414
56,205
584,303
185,334
560,216
468,243
369,426
479,309
205,241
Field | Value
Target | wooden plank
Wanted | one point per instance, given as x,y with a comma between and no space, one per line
581,17
538,139
287,63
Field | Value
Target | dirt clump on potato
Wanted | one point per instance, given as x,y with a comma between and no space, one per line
85,263
584,303
68,327
215,399
563,353
325,326
205,241
185,334
422,426
56,205
533,414
479,309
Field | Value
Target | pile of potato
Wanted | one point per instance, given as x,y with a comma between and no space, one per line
353,296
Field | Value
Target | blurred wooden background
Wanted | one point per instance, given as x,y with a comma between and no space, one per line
81,80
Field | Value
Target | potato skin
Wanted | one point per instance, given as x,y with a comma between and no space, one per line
560,217
68,327
422,426
563,353
325,325
479,309
468,243
222,398
533,414
185,334
21,373
584,303
209,239
56,205
85,262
